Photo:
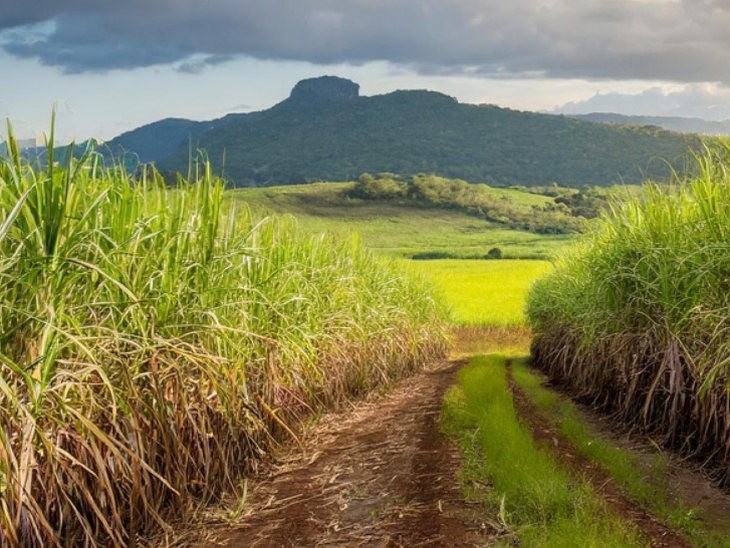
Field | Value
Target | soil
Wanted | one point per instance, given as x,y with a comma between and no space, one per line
385,476
686,482
548,436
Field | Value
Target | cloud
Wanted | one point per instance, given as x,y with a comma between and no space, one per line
708,101
240,107
198,63
676,40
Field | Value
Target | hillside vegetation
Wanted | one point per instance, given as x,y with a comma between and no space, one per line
326,131
639,318
565,214
406,228
156,343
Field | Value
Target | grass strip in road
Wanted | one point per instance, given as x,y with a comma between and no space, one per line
539,502
644,482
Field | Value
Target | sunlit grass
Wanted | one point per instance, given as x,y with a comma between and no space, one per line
646,481
485,293
510,341
401,230
536,498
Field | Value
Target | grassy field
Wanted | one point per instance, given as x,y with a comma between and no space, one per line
484,293
402,231
477,292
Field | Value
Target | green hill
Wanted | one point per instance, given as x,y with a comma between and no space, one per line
326,131
401,229
157,140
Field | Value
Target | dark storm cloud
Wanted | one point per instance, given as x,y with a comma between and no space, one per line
681,40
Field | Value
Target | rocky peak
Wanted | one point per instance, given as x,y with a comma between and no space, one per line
325,89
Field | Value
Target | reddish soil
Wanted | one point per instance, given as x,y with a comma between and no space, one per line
547,436
382,476
686,482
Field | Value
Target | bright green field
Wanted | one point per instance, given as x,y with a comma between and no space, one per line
479,292
485,292
399,230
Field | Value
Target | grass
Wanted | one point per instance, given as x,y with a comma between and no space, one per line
536,498
155,343
485,293
639,316
400,230
479,292
645,481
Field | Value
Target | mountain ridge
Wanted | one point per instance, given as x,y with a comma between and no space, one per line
326,130
679,124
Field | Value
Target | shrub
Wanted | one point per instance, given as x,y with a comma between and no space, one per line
494,253
385,188
434,191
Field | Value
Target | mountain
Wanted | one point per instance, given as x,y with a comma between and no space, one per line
326,130
671,123
23,145
157,140
60,153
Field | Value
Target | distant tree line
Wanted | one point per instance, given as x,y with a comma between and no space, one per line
566,214
588,202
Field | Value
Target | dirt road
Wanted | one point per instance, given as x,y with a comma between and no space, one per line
384,477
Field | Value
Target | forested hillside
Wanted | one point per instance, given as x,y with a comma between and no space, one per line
326,131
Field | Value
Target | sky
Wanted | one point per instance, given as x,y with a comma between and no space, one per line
111,65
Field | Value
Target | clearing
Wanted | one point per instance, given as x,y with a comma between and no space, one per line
483,292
